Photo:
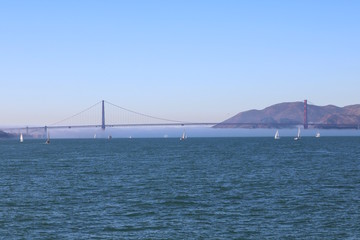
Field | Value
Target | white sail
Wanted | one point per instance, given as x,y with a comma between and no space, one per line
298,134
183,137
317,135
48,138
277,136
21,138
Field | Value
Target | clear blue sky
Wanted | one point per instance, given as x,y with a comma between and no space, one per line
191,60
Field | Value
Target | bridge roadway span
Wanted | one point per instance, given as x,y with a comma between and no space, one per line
220,125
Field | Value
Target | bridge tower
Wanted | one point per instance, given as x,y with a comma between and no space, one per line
103,116
305,115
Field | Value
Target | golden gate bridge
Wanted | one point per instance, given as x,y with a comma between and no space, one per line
104,114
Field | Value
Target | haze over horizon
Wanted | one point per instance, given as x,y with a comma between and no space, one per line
193,61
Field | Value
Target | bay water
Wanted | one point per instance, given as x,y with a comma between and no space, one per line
200,188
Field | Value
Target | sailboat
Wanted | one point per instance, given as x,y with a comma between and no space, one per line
317,134
298,135
277,136
183,137
95,136
21,138
48,138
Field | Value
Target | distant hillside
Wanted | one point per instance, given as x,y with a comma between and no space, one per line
292,113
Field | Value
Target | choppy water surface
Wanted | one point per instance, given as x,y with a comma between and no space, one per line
216,188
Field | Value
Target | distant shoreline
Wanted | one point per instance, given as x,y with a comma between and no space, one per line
192,132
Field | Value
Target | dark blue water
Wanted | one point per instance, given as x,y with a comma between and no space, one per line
206,188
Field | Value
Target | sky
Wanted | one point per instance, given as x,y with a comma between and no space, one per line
185,60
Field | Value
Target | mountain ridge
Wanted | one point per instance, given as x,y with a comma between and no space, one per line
289,114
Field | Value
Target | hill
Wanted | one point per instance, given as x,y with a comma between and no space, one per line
289,114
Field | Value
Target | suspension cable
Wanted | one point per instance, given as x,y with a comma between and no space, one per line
145,115
75,115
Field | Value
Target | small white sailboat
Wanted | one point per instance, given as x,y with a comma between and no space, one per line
95,136
48,138
21,138
277,136
298,135
317,134
183,137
